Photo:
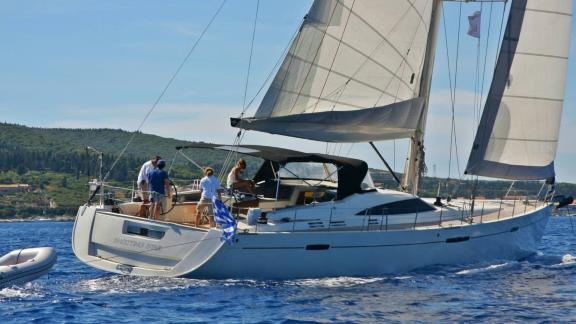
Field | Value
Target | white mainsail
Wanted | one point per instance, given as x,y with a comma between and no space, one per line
518,133
361,56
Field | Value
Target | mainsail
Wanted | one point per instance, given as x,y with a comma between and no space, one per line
352,73
518,133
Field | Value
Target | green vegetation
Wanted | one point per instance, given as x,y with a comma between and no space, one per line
489,189
58,166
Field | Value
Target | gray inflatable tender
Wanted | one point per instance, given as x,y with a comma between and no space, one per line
24,265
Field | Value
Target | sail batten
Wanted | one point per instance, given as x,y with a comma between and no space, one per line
351,78
518,134
349,55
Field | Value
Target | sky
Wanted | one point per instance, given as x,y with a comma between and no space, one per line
103,64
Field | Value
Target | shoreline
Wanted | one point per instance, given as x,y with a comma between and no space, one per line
38,219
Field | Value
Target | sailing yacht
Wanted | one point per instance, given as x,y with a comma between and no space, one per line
360,71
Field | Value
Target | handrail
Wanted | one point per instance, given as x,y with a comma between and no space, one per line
333,216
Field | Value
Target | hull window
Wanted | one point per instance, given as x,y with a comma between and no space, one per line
317,247
457,239
408,206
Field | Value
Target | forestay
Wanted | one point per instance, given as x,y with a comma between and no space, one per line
518,133
351,74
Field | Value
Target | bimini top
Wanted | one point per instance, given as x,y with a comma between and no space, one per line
351,172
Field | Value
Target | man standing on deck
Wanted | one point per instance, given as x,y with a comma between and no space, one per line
159,189
143,177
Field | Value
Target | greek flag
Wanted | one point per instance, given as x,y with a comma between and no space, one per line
474,21
226,221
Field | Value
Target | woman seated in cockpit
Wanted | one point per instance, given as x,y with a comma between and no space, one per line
236,179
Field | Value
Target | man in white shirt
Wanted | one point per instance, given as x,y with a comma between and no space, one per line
209,186
143,186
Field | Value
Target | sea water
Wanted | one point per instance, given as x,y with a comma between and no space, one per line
540,288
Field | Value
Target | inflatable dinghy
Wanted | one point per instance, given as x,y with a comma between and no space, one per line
23,265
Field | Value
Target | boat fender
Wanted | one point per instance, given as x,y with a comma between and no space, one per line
565,202
253,215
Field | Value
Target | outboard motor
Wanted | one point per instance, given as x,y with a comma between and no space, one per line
565,202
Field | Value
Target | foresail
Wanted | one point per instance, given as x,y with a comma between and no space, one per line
350,55
518,133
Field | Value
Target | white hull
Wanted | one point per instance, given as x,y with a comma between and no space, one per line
24,265
131,245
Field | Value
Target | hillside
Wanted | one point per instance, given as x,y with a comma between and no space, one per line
57,167
25,149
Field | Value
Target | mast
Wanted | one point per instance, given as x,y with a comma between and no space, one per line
415,159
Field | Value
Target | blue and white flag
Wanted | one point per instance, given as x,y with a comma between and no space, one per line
224,218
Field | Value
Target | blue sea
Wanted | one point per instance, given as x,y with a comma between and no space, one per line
540,288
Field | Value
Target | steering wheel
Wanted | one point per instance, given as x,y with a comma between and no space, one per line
174,199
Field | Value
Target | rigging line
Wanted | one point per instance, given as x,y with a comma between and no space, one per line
172,163
427,28
230,155
165,89
453,128
476,86
377,32
477,77
315,56
368,58
233,153
485,59
296,44
278,61
404,59
500,34
394,164
499,47
335,54
244,107
447,55
401,64
449,77
190,160
350,149
226,163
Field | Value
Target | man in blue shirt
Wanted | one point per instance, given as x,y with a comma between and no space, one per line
160,189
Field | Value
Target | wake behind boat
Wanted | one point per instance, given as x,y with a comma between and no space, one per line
358,72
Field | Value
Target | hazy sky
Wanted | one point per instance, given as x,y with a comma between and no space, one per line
92,64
